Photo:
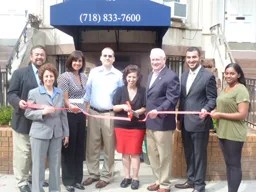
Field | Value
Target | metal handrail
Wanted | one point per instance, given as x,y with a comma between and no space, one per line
220,34
34,22
15,49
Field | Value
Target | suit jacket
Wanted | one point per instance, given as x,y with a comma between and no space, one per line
22,81
50,125
162,96
202,94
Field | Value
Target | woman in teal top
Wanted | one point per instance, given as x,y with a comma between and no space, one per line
232,109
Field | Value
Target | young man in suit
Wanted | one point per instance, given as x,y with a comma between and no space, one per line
163,90
22,81
198,93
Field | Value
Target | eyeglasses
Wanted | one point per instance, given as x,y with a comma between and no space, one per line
109,56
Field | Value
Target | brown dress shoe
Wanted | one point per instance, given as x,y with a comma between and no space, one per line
185,185
163,190
153,187
89,181
100,184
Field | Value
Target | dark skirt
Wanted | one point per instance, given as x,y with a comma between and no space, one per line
129,141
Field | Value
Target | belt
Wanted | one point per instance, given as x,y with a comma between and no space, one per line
101,111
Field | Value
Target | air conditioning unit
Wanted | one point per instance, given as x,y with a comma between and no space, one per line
178,10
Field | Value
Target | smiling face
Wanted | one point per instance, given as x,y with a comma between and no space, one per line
132,79
77,64
107,57
48,78
38,57
231,76
192,60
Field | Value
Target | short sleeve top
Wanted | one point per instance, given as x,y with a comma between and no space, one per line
67,83
227,102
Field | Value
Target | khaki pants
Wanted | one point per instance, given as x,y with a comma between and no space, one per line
159,145
100,135
22,162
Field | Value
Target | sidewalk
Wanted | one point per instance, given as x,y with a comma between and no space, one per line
8,183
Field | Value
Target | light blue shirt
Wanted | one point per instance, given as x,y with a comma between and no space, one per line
101,86
56,91
36,74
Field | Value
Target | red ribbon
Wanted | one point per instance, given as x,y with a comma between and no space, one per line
38,106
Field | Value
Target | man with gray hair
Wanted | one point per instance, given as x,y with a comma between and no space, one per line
163,90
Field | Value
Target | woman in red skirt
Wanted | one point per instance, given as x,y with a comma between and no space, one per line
130,99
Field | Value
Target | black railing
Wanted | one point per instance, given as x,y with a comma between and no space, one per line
251,86
3,88
176,63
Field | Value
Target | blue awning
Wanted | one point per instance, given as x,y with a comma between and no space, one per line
115,13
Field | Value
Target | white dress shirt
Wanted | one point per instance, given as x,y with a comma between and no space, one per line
191,77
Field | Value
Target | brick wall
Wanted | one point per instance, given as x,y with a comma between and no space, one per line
6,150
216,169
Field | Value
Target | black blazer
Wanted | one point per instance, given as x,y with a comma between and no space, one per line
22,81
163,96
202,94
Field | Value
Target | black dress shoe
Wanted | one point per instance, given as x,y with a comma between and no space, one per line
185,185
45,184
70,188
79,186
125,182
24,188
135,184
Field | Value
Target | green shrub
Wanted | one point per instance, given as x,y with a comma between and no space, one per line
5,115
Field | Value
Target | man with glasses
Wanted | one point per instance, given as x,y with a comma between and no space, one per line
101,84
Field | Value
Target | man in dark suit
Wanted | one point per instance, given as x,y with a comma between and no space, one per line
198,93
22,81
163,90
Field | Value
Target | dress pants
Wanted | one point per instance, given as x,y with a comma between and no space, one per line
42,149
22,163
159,145
195,148
100,136
74,155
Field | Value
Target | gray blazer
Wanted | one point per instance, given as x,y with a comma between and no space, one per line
51,125
202,94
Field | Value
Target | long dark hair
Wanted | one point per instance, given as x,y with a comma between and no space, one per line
239,70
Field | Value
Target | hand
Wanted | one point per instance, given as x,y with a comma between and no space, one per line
22,104
48,110
152,114
126,108
203,113
215,115
74,108
65,142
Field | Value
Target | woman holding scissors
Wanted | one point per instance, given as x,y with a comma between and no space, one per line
130,100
